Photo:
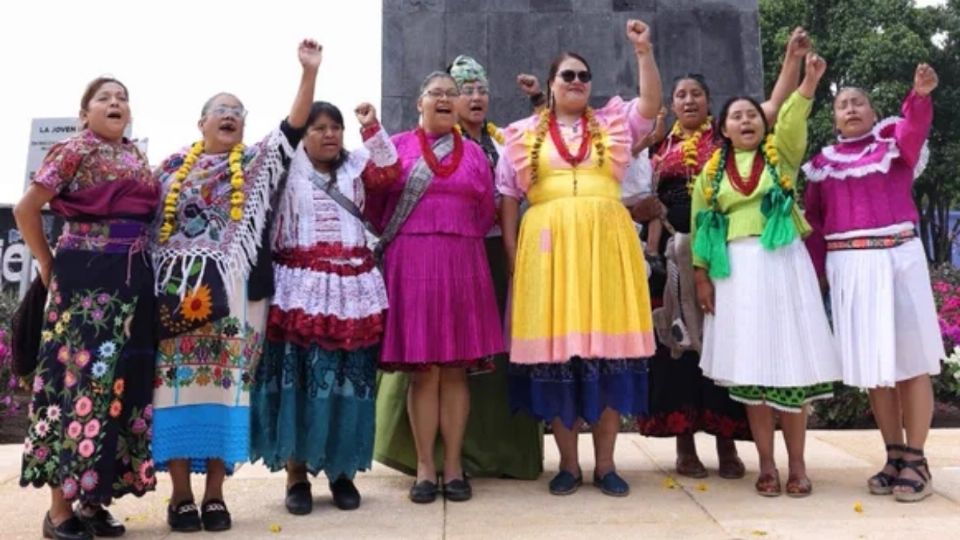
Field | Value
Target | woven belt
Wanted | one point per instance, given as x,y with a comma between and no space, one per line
871,242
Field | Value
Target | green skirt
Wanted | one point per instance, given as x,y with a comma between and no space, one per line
791,399
497,442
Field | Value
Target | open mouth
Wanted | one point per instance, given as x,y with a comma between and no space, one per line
115,115
228,127
476,108
747,132
442,109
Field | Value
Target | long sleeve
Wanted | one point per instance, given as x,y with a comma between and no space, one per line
384,167
911,132
814,213
698,202
791,131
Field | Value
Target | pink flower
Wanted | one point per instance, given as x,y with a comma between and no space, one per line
41,453
139,426
88,480
53,413
69,379
86,448
69,488
63,354
82,358
58,299
52,316
87,303
148,412
74,430
83,406
103,298
28,446
37,384
41,428
91,429
146,473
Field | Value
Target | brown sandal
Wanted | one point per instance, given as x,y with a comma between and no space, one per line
732,468
799,487
691,467
768,484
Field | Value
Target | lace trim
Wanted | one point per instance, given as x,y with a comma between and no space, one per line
837,165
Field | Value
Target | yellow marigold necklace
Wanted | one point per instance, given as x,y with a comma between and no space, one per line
492,130
690,147
237,198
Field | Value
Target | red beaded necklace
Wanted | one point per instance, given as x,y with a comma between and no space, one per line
561,146
432,162
755,171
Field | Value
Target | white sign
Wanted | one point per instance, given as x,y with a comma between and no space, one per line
45,132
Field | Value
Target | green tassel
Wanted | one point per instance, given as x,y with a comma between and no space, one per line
779,229
711,242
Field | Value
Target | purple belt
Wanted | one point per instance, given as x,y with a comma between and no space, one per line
114,236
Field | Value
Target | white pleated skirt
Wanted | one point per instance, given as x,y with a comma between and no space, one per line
770,327
884,316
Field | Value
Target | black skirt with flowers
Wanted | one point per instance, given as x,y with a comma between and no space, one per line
91,413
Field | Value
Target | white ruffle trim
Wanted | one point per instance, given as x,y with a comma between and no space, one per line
834,168
323,293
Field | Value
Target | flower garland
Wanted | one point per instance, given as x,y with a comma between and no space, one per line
777,207
237,180
545,118
492,130
690,147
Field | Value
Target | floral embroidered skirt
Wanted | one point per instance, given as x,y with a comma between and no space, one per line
203,380
91,413
316,407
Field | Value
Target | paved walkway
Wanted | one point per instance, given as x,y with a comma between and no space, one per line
660,506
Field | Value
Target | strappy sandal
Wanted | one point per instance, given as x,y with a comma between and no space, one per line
882,482
919,489
768,484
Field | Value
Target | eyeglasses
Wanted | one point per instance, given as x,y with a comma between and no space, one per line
437,93
568,75
479,90
223,110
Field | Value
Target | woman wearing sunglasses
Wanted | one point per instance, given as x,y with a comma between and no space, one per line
497,443
581,312
683,401
443,312
213,277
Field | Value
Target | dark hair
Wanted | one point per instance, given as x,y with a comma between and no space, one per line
433,75
209,103
722,120
91,90
331,111
555,67
695,77
858,90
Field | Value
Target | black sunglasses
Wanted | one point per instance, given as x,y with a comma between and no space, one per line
568,75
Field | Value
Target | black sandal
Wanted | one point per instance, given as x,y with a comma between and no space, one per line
920,489
882,482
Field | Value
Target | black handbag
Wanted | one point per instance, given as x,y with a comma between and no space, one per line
25,328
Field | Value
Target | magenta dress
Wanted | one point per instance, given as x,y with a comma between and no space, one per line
442,306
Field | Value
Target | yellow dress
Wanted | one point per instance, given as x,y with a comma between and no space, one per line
580,285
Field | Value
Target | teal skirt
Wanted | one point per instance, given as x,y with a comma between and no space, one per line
316,407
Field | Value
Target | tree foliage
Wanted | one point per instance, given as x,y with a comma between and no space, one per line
877,46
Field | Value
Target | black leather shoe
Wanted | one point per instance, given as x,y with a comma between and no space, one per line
345,494
183,517
457,490
101,522
299,500
423,492
71,529
215,516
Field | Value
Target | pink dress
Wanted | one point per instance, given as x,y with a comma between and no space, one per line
442,305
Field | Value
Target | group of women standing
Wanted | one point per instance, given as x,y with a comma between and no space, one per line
233,303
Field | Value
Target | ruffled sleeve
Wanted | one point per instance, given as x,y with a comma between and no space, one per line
513,168
622,125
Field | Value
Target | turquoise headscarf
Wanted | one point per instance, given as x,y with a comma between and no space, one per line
465,69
